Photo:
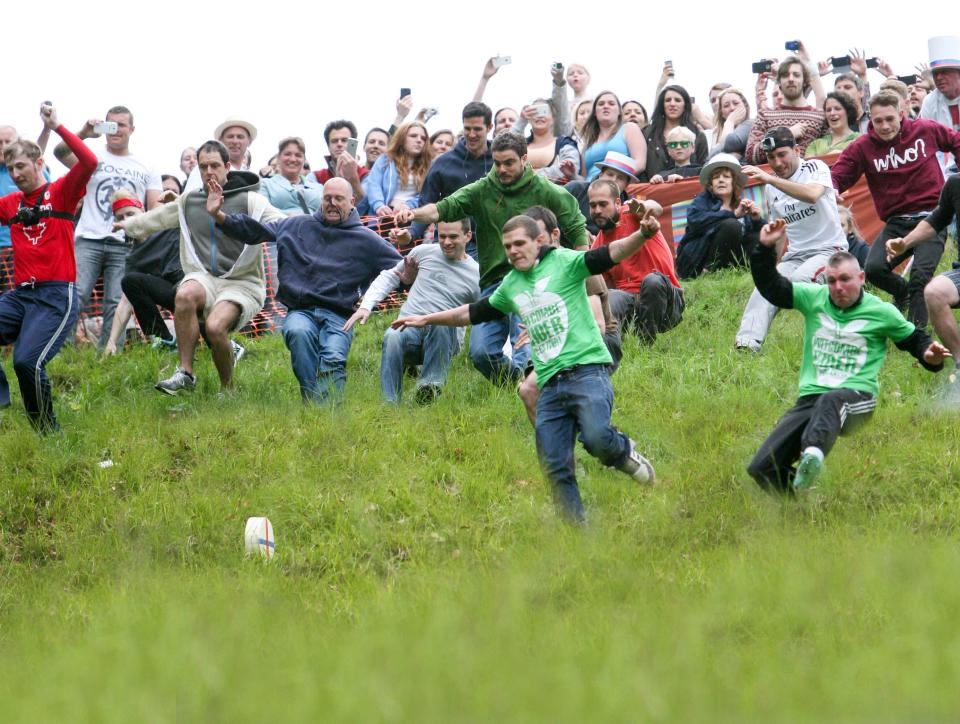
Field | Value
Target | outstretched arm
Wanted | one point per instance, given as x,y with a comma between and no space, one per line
424,214
815,84
928,353
75,182
630,245
237,226
806,192
489,70
456,317
776,289
920,233
386,282
62,150
165,216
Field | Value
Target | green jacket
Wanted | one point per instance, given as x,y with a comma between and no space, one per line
491,204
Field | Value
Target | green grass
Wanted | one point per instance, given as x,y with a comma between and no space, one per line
421,573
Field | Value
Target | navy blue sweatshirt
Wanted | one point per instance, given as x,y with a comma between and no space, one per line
451,171
319,264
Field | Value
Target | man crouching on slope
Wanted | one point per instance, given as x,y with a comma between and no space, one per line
844,345
546,288
223,278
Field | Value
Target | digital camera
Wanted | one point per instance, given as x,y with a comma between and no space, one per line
27,216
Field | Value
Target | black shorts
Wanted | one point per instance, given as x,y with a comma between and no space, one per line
954,276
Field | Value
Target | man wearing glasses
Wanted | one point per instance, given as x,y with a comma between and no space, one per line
802,194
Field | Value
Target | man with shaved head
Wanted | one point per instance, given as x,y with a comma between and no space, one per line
325,261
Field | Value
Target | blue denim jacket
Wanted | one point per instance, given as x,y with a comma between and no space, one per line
380,185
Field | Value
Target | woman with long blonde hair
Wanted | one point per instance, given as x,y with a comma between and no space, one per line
396,179
731,121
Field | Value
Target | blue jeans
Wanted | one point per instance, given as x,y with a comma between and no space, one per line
432,346
486,347
579,398
96,257
318,352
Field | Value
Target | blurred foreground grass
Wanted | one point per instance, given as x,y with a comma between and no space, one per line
421,574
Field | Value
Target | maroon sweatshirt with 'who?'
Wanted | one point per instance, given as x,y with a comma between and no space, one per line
903,174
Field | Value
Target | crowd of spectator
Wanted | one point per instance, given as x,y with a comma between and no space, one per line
317,246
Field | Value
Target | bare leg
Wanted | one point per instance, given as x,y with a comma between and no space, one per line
121,317
529,393
189,301
219,323
940,295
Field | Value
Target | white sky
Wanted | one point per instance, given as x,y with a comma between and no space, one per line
289,68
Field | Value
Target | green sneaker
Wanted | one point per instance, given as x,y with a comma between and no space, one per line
807,471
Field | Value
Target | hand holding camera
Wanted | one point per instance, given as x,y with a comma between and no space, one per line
48,115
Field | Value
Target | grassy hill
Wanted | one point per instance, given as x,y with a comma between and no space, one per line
421,574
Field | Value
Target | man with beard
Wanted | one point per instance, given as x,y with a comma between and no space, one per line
645,294
505,192
806,122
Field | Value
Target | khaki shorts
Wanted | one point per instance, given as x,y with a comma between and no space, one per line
954,276
249,296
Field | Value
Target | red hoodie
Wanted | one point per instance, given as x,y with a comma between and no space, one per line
903,175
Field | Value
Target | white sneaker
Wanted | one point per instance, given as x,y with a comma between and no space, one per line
638,467
179,381
238,351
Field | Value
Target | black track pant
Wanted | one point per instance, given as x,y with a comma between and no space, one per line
657,308
815,420
926,256
145,292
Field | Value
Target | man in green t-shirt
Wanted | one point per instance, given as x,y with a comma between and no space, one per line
545,287
510,188
844,344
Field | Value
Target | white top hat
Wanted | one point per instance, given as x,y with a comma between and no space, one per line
944,52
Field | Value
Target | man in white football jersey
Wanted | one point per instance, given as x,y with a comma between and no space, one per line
802,194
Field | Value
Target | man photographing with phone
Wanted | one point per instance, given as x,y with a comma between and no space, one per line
796,76
341,138
100,250
39,314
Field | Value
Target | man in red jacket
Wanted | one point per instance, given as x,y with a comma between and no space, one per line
645,294
41,311
899,158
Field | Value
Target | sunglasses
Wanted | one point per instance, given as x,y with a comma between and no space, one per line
679,144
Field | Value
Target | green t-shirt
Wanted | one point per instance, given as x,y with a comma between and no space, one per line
552,301
845,348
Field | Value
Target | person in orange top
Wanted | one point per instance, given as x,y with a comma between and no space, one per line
645,294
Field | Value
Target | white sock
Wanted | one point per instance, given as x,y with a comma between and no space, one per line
815,451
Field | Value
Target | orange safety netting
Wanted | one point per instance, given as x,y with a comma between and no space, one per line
267,321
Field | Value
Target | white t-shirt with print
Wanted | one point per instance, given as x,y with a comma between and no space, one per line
113,173
810,227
